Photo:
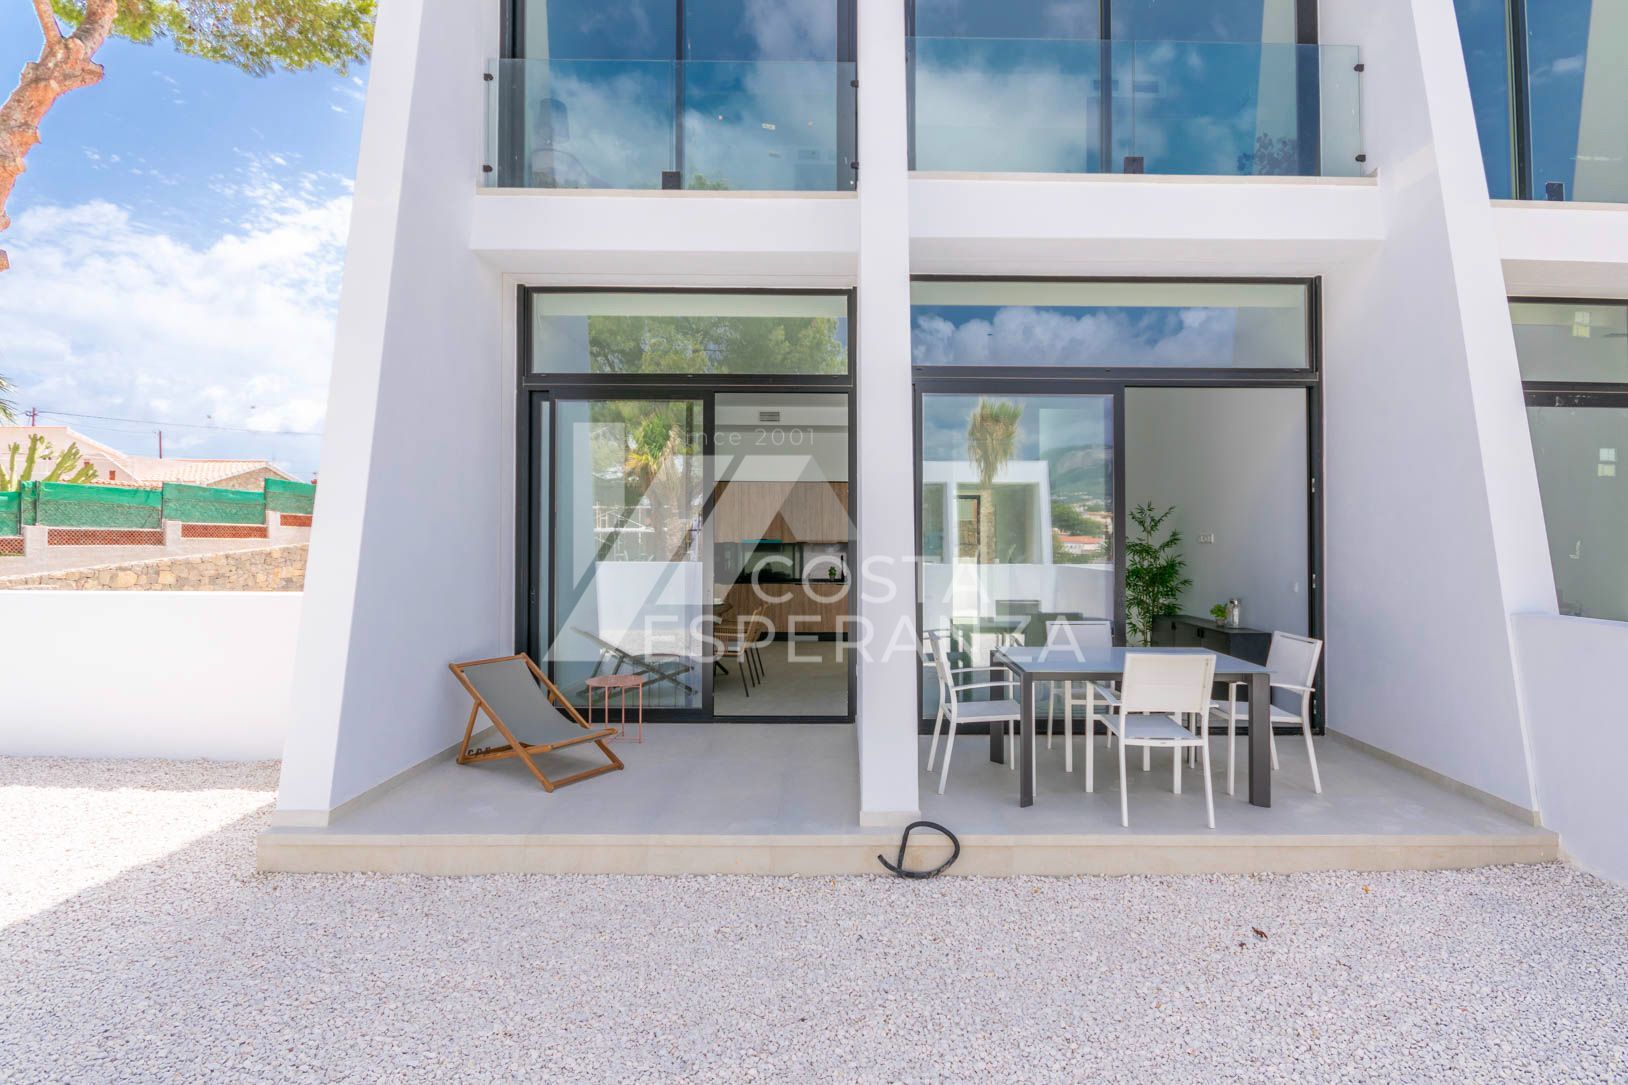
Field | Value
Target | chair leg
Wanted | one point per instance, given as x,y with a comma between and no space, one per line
1147,758
746,684
1232,740
1124,788
1209,798
1311,754
1178,754
1051,712
1272,741
1091,751
1068,731
932,750
949,748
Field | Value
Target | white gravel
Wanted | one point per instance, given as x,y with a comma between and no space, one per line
140,945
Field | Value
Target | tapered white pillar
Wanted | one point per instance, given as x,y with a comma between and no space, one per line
886,523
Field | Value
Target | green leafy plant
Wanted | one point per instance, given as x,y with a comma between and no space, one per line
1219,613
1155,572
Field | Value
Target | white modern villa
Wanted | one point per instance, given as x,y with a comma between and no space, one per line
793,363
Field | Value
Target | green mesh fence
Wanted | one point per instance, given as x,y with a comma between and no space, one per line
31,498
298,497
208,505
66,504
11,513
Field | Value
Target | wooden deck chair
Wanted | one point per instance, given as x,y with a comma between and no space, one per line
658,670
520,701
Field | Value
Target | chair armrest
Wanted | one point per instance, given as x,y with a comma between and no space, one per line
1291,687
984,685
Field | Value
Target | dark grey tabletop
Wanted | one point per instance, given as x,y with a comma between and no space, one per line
1062,663
1066,663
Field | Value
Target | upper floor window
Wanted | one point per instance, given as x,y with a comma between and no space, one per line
1574,365
697,94
1211,87
1549,107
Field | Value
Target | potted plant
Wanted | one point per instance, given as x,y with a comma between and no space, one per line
1219,613
1154,572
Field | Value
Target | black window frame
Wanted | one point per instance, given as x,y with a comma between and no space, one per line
535,517
1116,381
1586,395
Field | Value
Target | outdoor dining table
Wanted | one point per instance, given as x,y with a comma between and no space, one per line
1069,664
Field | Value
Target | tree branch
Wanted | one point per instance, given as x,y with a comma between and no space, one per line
65,64
97,25
48,21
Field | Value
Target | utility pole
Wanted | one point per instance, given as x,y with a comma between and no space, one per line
33,416
160,443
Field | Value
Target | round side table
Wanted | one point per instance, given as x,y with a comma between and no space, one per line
623,682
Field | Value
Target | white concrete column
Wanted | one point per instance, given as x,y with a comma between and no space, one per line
886,441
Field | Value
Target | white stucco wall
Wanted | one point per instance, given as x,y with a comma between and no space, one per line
1576,690
1426,433
147,674
410,571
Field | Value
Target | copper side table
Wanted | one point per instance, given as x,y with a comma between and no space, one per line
622,682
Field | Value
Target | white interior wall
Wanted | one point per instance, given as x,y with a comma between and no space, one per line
1425,430
408,572
1233,463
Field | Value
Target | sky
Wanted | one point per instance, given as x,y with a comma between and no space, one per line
176,247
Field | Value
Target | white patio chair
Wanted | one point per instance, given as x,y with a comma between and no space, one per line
957,710
1160,689
1293,663
1078,636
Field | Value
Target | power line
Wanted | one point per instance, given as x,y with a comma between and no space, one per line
182,425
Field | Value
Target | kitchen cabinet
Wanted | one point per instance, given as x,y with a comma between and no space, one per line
790,511
819,608
1186,631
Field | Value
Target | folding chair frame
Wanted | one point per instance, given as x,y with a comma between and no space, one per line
515,747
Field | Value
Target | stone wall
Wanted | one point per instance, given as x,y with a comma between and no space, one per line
277,568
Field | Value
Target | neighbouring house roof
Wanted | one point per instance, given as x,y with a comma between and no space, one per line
118,469
1081,540
153,471
107,461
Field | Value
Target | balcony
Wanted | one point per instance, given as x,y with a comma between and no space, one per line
760,126
1015,105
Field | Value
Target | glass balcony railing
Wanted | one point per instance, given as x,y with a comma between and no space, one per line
1014,105
617,124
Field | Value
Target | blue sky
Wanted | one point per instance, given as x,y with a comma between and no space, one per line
176,245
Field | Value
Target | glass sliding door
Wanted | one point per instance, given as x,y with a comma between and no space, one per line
1017,518
628,587
781,532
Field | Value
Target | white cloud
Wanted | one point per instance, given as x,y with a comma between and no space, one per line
106,316
1044,336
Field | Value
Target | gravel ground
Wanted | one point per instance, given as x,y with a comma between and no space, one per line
140,945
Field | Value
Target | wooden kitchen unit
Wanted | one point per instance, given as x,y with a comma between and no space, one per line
788,511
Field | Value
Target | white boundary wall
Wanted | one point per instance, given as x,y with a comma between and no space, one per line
1575,688
147,674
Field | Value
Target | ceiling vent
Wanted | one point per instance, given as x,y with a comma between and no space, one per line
767,417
